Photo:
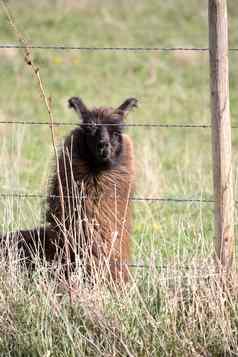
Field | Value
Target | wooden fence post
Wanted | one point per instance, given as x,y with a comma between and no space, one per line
221,132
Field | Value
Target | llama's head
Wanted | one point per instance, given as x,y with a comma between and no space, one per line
102,129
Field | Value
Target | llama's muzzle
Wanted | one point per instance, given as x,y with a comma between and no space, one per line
103,150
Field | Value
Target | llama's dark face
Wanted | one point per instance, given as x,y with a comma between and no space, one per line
102,130
104,142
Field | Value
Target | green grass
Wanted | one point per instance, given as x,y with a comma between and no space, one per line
171,88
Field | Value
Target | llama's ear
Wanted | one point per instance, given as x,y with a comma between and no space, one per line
127,105
77,104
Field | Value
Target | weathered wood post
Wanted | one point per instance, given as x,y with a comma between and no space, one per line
221,132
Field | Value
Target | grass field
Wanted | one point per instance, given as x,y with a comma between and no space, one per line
163,313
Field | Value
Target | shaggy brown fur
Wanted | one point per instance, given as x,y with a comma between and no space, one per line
96,173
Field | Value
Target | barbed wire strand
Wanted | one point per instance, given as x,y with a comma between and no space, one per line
127,49
148,199
140,125
152,125
181,272
168,274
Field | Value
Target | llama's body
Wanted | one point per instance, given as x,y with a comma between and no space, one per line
89,211
97,209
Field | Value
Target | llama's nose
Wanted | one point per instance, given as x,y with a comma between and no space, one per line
103,145
103,149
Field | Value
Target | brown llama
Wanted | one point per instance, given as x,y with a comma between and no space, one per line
89,211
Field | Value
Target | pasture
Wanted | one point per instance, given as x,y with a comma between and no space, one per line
174,307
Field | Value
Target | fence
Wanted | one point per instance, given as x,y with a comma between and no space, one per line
220,124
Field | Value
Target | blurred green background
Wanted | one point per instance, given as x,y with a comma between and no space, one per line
172,88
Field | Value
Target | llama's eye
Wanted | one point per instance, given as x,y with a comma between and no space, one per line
115,134
93,126
91,129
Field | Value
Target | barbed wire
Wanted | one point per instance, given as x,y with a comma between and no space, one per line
178,272
149,125
127,49
140,125
183,273
21,195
